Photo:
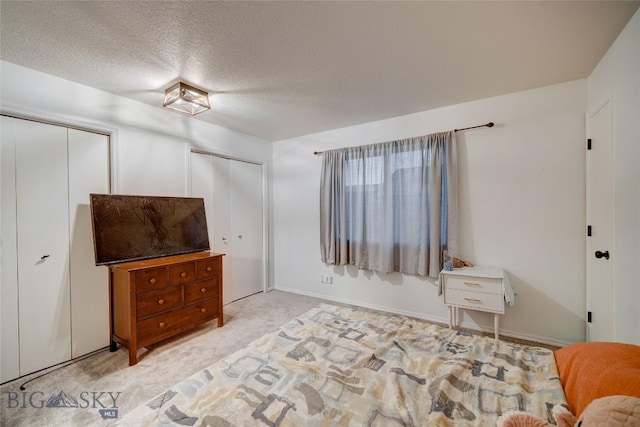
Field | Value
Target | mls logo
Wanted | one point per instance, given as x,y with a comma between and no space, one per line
104,401
108,414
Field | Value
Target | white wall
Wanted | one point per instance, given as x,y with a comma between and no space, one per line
150,145
522,207
617,77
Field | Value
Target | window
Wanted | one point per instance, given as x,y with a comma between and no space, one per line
387,207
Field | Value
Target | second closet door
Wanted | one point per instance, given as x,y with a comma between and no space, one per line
232,191
246,229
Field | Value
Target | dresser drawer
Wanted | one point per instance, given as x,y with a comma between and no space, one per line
475,300
182,273
208,268
474,284
157,302
157,328
151,280
201,290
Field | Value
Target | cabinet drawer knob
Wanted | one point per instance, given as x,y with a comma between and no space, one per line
152,280
472,284
183,274
160,301
203,310
477,301
203,290
161,324
209,268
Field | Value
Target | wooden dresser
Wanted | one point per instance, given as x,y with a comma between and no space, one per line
155,299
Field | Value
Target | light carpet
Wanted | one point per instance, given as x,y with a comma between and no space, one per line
159,368
344,366
90,381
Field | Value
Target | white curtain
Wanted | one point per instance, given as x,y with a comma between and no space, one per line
390,206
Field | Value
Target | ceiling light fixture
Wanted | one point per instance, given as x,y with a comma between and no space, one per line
186,99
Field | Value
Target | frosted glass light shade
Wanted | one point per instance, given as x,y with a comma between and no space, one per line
186,99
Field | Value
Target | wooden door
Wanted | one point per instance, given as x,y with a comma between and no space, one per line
88,173
600,202
42,212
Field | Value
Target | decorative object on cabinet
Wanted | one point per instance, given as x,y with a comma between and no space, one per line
152,300
479,288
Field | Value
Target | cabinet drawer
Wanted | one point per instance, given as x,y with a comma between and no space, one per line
208,268
475,300
157,302
182,273
157,328
200,290
474,284
151,280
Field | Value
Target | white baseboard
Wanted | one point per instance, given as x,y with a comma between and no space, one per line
436,319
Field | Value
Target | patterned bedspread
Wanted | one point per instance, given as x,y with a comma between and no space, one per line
338,366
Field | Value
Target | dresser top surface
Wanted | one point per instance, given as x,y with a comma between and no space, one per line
477,271
163,261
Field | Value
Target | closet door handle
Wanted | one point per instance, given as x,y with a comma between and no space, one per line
44,256
604,254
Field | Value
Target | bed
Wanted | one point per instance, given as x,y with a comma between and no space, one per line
341,366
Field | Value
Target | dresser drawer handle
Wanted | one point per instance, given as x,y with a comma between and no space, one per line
203,290
161,324
209,268
477,301
160,301
183,274
475,285
203,310
152,280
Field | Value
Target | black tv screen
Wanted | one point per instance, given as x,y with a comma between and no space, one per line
129,228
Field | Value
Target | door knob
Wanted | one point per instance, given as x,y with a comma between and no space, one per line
604,254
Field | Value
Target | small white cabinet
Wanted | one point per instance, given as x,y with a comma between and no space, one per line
479,288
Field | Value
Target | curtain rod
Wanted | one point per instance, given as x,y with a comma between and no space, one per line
488,125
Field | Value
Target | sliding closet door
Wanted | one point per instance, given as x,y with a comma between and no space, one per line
222,242
9,342
43,245
246,211
88,173
232,191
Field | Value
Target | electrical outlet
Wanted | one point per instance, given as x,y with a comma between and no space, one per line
326,279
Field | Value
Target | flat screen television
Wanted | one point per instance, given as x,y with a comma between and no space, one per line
130,228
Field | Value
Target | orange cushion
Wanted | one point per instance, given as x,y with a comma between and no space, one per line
592,370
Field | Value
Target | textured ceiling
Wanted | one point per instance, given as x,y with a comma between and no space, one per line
283,69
